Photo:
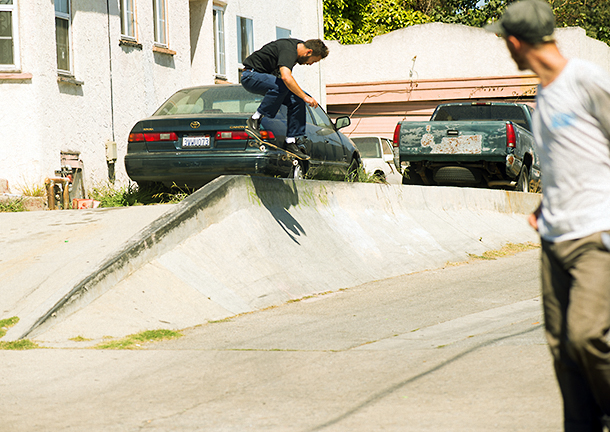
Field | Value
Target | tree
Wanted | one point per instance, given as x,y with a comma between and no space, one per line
358,21
592,15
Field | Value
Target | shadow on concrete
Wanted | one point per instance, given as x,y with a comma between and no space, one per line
278,196
393,388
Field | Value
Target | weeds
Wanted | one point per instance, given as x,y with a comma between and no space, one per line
19,345
135,341
361,176
507,249
110,195
23,344
79,339
7,323
12,205
35,190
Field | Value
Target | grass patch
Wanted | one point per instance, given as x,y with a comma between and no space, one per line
110,195
79,339
19,345
135,341
12,205
7,323
358,175
507,249
35,190
361,176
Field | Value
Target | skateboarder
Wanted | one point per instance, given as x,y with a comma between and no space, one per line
268,72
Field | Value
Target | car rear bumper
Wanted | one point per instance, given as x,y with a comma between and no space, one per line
197,170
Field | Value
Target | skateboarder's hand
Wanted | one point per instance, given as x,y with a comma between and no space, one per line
310,101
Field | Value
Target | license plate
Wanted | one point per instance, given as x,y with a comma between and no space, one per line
196,141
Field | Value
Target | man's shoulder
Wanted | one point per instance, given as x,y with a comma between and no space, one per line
289,41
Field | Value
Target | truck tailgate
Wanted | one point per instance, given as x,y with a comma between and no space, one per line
450,138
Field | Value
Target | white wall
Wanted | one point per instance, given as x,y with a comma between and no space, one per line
438,50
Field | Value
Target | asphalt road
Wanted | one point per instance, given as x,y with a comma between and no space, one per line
457,349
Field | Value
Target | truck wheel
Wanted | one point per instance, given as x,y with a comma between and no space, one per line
523,182
411,178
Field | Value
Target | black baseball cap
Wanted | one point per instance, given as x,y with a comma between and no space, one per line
532,21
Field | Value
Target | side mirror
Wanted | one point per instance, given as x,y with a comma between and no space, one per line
342,122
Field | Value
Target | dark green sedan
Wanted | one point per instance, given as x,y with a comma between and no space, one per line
198,135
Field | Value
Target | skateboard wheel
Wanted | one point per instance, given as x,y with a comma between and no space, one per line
295,162
262,148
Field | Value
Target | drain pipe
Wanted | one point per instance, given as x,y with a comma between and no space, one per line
111,146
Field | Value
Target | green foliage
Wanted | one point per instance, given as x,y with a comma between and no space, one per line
7,323
110,195
12,205
135,341
592,15
19,345
358,21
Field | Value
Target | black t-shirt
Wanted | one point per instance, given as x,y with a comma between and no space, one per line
268,59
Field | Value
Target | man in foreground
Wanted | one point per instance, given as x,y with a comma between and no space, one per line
268,72
572,132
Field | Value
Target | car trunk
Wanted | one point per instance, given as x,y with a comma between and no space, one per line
201,134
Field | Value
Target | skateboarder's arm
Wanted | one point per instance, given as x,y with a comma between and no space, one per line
292,85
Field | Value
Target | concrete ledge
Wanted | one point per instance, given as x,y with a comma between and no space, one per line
241,244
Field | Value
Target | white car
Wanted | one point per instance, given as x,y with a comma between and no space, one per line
378,158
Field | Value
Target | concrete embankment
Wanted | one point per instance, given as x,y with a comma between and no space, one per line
238,245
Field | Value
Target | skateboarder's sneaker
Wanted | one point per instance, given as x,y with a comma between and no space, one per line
254,125
297,150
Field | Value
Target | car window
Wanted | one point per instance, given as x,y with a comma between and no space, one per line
481,113
387,147
320,118
210,100
368,147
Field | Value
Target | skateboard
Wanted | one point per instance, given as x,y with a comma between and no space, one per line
262,145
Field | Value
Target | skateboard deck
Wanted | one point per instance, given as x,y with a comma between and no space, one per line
262,143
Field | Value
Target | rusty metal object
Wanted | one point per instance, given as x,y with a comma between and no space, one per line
50,186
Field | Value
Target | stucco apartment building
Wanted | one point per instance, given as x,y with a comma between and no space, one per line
405,74
75,75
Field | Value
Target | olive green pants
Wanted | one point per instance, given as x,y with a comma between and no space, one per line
576,293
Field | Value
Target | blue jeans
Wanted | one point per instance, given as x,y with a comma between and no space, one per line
276,94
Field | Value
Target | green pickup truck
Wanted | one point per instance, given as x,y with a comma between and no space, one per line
470,144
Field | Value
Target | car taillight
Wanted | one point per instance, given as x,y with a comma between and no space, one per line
396,140
241,135
511,137
148,137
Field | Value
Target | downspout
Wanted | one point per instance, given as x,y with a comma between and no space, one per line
322,90
110,144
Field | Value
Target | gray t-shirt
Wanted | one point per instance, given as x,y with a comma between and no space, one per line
572,131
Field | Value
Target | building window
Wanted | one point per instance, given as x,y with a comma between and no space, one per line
128,19
160,14
282,33
219,40
62,34
245,38
9,46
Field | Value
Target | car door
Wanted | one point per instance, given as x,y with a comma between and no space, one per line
328,138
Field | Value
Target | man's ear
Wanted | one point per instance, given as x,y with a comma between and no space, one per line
514,42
